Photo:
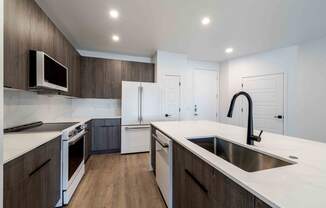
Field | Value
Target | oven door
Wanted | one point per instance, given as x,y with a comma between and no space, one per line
73,164
75,155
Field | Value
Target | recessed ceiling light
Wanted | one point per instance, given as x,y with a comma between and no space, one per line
114,13
229,50
115,38
205,21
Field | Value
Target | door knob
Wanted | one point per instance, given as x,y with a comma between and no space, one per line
278,116
167,115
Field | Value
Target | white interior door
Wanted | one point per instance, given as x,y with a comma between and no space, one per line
150,103
205,94
267,93
130,103
171,110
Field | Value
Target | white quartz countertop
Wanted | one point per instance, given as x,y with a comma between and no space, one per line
300,185
17,144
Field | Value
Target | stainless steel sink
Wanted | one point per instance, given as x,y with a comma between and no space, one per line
242,157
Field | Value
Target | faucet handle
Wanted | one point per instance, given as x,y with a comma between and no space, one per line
257,138
261,132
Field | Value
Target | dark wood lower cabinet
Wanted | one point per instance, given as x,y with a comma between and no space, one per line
198,185
106,136
33,180
260,204
153,149
88,141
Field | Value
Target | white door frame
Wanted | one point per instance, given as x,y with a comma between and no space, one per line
285,96
179,99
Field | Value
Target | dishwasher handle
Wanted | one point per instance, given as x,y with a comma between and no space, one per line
163,144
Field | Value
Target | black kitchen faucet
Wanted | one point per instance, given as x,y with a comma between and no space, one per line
250,135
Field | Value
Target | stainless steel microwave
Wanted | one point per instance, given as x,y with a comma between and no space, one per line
47,73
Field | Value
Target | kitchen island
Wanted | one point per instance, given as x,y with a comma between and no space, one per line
301,184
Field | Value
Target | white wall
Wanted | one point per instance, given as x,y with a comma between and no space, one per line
176,64
99,108
168,63
307,110
304,68
21,107
282,60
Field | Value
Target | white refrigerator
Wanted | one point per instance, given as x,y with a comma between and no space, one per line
140,104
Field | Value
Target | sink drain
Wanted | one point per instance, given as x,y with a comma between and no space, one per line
293,157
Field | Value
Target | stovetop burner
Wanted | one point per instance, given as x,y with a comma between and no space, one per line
40,127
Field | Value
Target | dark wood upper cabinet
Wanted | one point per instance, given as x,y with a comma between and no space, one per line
135,71
102,78
27,27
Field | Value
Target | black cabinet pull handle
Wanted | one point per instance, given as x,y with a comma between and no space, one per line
41,166
196,181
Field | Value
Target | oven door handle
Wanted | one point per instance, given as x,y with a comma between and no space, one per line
77,138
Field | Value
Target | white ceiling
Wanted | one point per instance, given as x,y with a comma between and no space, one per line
250,26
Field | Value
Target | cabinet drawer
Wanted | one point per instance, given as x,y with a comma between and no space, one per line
98,122
35,159
199,171
112,122
106,122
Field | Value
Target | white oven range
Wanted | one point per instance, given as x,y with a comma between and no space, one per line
73,167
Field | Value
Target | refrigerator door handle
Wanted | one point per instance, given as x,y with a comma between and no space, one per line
141,104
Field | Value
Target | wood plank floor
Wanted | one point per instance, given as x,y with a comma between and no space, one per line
117,181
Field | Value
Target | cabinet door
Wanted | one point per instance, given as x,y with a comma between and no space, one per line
192,180
260,204
106,138
53,179
153,148
147,73
14,184
130,71
229,194
88,141
114,138
139,72
37,187
197,184
33,180
100,139
16,42
87,78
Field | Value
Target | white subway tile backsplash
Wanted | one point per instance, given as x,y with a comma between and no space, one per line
96,107
21,107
